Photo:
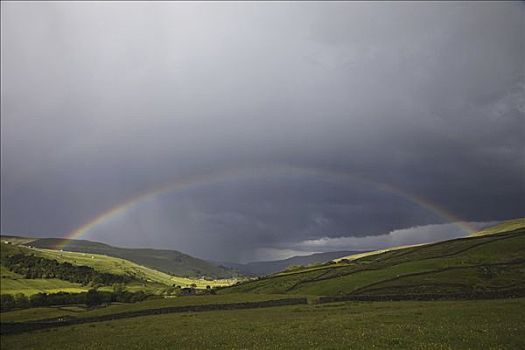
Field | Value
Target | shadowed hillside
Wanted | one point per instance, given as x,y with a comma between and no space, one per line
261,268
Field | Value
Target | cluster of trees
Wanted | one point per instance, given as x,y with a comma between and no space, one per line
176,290
31,266
90,298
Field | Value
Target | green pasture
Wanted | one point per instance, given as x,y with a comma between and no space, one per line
41,313
488,324
33,286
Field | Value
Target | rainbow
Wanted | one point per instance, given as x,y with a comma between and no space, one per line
216,177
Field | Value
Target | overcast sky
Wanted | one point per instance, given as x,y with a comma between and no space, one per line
104,101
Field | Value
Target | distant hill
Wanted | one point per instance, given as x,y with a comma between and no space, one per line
262,268
492,263
168,261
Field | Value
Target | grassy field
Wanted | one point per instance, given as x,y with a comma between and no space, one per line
33,286
492,324
490,262
41,313
15,240
13,283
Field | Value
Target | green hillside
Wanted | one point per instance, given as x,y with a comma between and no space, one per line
509,225
151,279
168,261
375,252
466,265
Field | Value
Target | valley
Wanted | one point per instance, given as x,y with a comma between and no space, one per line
405,290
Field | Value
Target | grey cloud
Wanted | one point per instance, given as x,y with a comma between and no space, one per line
103,101
396,238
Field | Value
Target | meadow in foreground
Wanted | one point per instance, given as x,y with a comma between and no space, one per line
481,324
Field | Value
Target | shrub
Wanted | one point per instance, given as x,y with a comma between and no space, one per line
93,298
21,300
7,302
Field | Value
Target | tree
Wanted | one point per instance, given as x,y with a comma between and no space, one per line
93,298
294,267
39,299
7,302
21,300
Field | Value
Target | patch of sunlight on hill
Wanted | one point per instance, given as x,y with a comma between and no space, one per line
15,240
375,252
13,283
39,285
104,263
509,225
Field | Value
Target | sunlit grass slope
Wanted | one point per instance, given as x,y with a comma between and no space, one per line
168,261
16,240
40,285
485,263
13,283
152,279
104,263
375,252
509,225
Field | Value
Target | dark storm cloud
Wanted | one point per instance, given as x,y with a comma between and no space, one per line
103,101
